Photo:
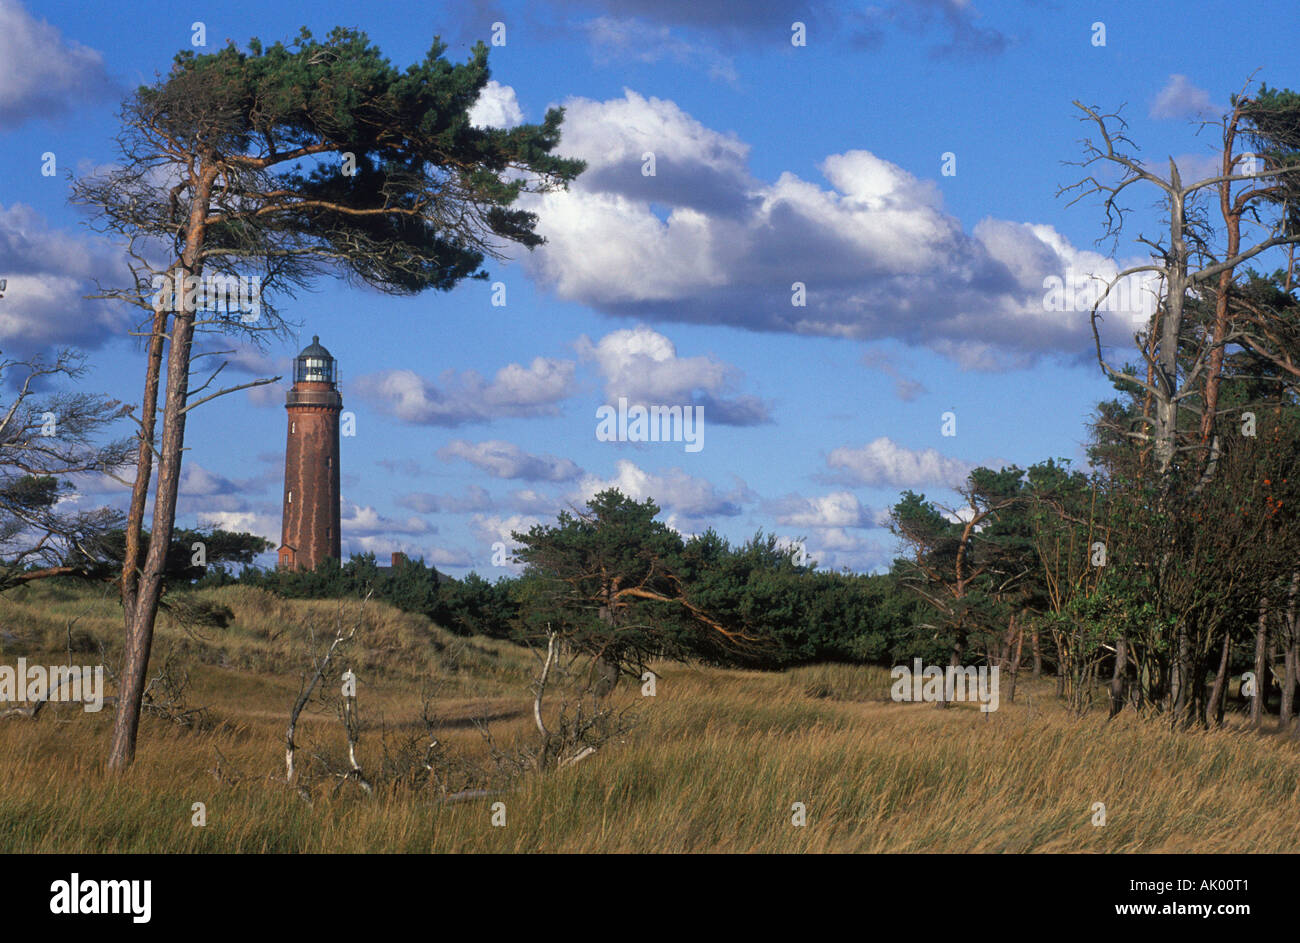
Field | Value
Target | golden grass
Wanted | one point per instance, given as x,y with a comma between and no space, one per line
715,763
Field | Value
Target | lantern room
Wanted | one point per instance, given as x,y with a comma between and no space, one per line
314,364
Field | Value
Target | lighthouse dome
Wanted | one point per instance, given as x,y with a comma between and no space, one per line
314,364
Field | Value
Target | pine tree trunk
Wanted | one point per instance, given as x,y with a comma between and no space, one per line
607,671
1181,694
1015,665
140,622
1214,710
148,586
954,660
131,560
1288,689
1261,668
1291,660
1118,678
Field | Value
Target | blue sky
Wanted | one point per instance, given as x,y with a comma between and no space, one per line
775,164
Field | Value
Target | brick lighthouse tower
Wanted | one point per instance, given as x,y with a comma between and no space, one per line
311,461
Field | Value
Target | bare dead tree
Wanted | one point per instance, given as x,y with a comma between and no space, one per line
540,687
352,729
418,761
166,696
585,720
343,635
1182,262
166,692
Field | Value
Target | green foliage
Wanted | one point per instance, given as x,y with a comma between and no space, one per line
428,191
1273,128
972,567
701,598
797,613
787,613
221,549
611,582
474,606
29,493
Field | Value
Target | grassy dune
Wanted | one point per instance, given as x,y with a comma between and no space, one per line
714,762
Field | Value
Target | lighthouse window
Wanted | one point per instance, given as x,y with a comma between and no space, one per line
291,497
293,427
314,369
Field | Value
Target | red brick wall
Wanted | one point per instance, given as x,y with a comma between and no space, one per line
311,474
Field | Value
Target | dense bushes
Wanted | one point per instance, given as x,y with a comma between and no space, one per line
795,613
472,606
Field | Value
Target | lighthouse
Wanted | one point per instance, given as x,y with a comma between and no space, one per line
311,461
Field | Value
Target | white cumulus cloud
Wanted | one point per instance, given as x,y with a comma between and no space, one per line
507,460
702,240
1181,99
642,365
835,510
673,490
884,462
497,107
458,398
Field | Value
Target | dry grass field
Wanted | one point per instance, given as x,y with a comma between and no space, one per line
714,762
